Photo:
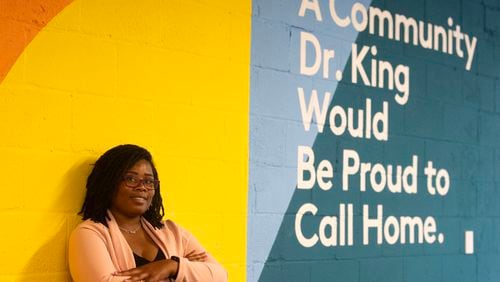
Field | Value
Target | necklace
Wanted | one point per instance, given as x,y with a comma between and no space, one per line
130,231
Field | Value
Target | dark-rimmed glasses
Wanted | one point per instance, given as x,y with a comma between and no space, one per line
132,181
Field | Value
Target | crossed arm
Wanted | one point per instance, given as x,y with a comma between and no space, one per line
90,260
157,271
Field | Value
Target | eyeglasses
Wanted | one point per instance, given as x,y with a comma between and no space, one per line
134,182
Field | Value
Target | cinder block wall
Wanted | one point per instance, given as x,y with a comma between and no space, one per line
78,78
452,118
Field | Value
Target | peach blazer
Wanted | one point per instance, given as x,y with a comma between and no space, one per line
97,251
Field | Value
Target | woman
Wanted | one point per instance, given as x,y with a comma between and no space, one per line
123,237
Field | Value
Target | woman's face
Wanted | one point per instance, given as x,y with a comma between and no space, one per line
133,202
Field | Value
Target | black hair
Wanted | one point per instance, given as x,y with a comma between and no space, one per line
105,178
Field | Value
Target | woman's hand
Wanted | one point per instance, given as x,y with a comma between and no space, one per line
158,270
192,256
155,271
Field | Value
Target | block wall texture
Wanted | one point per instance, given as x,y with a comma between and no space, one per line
452,118
77,78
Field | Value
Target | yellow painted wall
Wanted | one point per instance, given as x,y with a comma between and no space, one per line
172,76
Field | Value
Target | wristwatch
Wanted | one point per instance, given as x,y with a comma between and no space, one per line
175,258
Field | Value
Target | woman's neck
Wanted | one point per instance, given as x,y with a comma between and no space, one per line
126,221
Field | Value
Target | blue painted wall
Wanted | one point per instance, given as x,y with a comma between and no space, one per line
451,118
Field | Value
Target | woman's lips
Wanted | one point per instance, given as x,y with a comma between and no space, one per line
139,199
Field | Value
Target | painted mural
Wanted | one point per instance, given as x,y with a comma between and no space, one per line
78,77
372,152
299,140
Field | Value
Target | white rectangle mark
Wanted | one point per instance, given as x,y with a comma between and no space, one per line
469,242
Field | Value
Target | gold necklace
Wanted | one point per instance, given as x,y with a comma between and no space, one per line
133,231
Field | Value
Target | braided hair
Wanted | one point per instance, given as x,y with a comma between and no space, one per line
105,178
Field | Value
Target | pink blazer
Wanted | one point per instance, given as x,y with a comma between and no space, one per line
97,251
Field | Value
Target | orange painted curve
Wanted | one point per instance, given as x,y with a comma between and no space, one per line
20,22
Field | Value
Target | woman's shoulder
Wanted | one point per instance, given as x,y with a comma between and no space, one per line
90,226
169,224
182,236
172,227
